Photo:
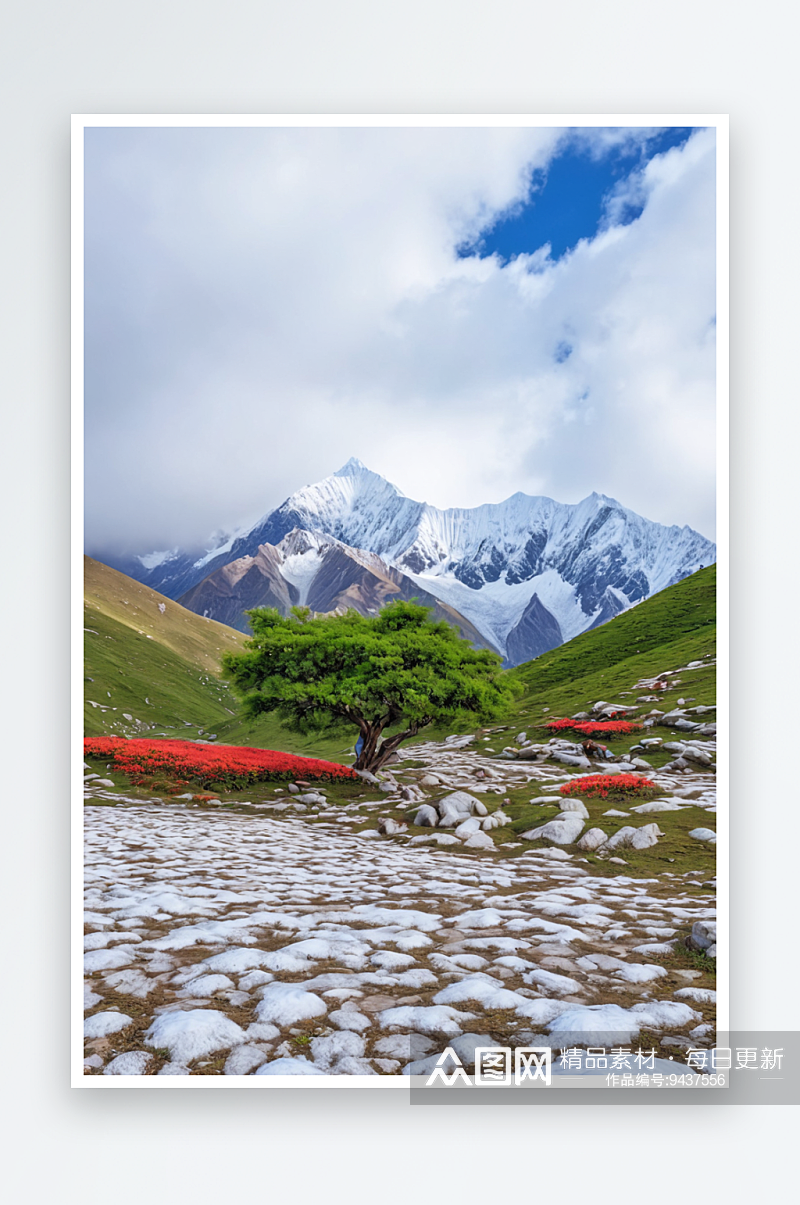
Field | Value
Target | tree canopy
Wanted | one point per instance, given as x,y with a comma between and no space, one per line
388,676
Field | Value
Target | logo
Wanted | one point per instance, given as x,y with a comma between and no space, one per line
439,1072
493,1067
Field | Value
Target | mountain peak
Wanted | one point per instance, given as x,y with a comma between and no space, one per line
353,466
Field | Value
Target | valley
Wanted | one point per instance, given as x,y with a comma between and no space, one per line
301,929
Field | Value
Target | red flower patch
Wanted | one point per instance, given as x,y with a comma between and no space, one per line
595,727
181,762
600,786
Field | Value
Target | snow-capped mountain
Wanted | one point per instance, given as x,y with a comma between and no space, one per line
309,569
528,573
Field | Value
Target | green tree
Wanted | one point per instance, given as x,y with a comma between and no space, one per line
389,676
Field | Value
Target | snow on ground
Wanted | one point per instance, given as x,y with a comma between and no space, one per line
254,945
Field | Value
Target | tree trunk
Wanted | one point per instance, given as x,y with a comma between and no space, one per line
378,756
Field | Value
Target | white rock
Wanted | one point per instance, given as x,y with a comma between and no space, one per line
194,1033
704,834
102,1024
657,805
289,1066
391,827
206,985
288,1003
634,838
133,1062
479,841
636,972
90,998
260,1031
107,960
574,805
562,830
348,1019
562,985
607,1021
468,827
612,812
426,817
700,995
593,838
704,934
174,1069
437,839
664,1014
434,1019
244,1059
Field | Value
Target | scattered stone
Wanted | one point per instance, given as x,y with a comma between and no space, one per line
426,817
704,834
102,1024
562,830
390,827
574,805
479,841
703,935
635,838
133,1062
193,1034
593,838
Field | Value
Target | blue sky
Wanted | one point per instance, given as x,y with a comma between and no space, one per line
568,199
264,303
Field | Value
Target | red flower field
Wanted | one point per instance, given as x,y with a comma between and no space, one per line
595,727
181,762
600,786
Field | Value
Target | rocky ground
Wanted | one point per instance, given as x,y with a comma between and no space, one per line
296,937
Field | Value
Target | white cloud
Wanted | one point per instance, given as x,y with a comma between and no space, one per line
264,304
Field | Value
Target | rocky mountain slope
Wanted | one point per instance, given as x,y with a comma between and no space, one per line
527,573
312,570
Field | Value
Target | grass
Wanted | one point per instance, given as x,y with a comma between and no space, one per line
162,669
134,653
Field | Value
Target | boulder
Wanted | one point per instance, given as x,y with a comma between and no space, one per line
479,841
429,780
427,817
629,837
697,755
390,827
468,827
457,807
569,759
496,820
703,936
704,834
593,838
562,830
435,839
574,805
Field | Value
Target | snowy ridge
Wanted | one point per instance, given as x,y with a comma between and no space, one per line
528,572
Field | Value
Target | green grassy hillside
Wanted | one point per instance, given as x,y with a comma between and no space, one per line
665,632
161,669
